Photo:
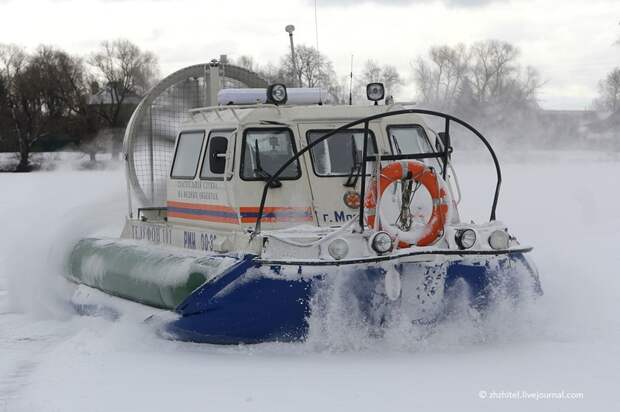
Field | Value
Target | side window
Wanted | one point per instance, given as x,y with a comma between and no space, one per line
214,162
409,139
412,139
265,151
339,154
187,155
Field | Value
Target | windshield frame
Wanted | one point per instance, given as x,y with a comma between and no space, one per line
372,140
407,126
243,146
428,141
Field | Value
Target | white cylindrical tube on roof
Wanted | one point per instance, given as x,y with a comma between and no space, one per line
241,96
296,95
305,95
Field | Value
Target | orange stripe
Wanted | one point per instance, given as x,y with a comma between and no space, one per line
203,217
268,209
202,206
247,209
277,219
274,209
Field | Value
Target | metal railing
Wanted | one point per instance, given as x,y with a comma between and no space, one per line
444,156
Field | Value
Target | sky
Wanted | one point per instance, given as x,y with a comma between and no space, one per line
571,42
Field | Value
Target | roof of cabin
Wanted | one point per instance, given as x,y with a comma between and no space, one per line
299,114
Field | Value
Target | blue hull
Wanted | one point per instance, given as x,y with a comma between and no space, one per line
253,302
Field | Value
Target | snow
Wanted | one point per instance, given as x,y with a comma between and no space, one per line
160,266
565,204
61,161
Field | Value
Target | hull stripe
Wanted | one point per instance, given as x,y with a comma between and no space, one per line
226,214
277,214
205,212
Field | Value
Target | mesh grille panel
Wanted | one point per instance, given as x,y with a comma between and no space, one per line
161,123
150,136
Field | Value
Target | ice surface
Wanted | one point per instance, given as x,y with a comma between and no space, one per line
564,204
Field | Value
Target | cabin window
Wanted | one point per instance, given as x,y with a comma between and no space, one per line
412,139
214,162
341,153
409,139
265,151
187,155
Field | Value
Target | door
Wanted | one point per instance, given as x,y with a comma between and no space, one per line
263,151
333,169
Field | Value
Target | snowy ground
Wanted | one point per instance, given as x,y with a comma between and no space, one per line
565,205
48,161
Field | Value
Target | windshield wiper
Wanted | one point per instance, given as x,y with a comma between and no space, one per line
354,174
396,145
259,171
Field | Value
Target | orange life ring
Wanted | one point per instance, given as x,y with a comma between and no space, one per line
419,172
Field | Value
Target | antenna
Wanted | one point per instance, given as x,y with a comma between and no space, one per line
316,35
351,84
290,29
316,26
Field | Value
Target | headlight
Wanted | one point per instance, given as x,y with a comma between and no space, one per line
338,248
276,94
499,239
375,91
465,238
381,242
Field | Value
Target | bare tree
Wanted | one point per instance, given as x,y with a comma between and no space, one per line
371,72
271,73
440,79
124,71
483,83
28,108
387,74
609,92
43,95
245,61
391,78
493,69
12,62
530,84
486,75
75,86
313,69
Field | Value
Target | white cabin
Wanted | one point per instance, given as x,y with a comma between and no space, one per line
224,154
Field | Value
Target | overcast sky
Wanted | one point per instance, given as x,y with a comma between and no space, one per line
571,42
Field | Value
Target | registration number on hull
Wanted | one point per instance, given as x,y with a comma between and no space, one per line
161,234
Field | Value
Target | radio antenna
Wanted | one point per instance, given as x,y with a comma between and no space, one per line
351,84
316,26
316,36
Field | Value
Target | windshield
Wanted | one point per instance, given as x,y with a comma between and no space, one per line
412,139
338,154
265,151
408,139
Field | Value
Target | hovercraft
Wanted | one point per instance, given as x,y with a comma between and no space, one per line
268,201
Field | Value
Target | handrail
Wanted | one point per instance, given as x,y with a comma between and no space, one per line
366,158
232,108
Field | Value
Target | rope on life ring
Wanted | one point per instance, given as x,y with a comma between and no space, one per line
418,172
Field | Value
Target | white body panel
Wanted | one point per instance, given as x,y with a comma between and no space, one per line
218,212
